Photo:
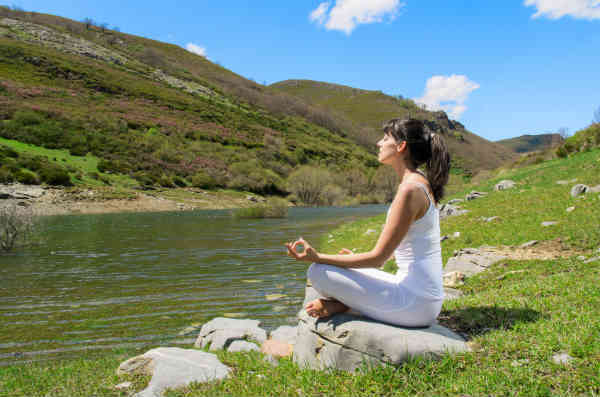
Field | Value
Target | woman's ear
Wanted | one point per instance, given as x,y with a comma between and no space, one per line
401,147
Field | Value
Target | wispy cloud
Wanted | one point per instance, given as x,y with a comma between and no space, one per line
346,15
448,93
196,49
556,9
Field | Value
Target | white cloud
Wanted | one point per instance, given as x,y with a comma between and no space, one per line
196,49
556,9
448,93
347,14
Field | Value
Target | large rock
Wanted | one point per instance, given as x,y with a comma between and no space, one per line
20,192
173,367
471,261
220,332
595,189
285,333
347,342
447,210
504,185
579,189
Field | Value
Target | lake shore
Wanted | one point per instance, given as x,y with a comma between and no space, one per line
46,201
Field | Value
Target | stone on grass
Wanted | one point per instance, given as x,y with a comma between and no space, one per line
595,189
451,293
579,189
563,182
570,209
453,279
173,367
504,185
475,195
285,333
447,210
562,358
220,332
455,201
549,223
348,342
491,218
594,259
470,261
529,244
242,346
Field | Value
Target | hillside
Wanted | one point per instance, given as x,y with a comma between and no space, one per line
368,110
530,143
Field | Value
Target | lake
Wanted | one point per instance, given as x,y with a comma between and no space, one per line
97,282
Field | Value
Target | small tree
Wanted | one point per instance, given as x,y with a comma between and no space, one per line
307,183
597,115
563,132
16,226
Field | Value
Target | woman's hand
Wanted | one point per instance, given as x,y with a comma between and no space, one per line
345,251
309,254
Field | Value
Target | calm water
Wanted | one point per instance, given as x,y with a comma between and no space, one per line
96,282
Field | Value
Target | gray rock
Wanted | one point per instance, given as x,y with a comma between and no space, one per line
504,185
455,201
570,209
451,293
549,223
220,332
562,358
475,195
593,259
447,210
529,244
347,342
471,261
20,192
285,333
595,189
579,189
173,367
242,346
567,182
491,218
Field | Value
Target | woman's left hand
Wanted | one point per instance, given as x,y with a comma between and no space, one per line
309,254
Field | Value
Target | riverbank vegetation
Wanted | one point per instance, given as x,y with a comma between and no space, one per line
273,207
517,315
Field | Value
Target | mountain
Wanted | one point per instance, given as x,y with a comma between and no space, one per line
530,143
368,110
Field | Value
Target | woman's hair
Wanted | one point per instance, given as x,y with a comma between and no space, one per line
425,147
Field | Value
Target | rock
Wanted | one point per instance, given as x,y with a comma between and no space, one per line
491,219
444,238
549,223
173,367
471,261
252,198
594,189
20,192
594,259
504,185
562,358
475,195
347,342
566,182
370,231
276,348
455,201
123,386
453,279
220,332
242,346
447,210
456,235
529,244
451,293
285,333
579,189
570,209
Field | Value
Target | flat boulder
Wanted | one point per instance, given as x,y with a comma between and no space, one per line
470,261
347,342
504,185
579,189
475,195
447,210
220,332
173,367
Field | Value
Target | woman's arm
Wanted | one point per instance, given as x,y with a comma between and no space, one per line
403,212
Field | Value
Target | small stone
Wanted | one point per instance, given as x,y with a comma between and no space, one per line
570,209
492,218
444,238
456,235
579,189
453,279
504,185
562,358
474,195
370,231
242,346
566,182
123,386
528,244
274,297
594,259
549,223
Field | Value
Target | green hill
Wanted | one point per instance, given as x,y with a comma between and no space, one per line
368,110
530,143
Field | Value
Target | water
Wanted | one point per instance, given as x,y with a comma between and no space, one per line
97,282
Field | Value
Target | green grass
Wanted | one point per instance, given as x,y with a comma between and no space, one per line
515,323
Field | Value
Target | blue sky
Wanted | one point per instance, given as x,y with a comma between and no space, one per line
503,68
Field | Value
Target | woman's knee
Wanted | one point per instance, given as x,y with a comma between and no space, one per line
315,272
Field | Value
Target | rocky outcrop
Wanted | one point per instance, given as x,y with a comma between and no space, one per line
349,342
220,332
447,210
504,185
469,261
172,367
579,189
20,192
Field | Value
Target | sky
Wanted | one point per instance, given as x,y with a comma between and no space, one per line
503,68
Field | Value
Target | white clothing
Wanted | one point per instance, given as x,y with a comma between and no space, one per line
412,297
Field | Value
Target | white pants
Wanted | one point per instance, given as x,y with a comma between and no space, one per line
375,294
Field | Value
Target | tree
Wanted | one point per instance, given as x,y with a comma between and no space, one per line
563,132
89,22
307,183
16,226
597,115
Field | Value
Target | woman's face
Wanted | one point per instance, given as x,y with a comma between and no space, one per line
388,148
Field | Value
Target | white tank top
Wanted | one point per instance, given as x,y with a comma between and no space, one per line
419,254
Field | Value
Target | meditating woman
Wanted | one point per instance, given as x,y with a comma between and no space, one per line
413,296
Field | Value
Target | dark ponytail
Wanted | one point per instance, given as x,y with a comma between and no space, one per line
425,147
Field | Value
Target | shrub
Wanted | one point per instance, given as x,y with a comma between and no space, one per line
307,182
28,117
562,152
6,176
16,226
179,181
203,180
275,207
56,176
27,178
166,181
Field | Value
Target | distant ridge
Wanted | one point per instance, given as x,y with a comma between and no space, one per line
531,142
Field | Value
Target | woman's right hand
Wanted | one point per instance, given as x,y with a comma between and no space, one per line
345,251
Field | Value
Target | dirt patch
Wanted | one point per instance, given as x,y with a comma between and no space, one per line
544,250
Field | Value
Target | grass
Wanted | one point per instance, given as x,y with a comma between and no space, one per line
515,323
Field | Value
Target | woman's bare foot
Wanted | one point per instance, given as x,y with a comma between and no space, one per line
321,308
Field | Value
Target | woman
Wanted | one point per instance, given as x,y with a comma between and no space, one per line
413,296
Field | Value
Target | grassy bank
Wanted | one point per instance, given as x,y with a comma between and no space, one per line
515,321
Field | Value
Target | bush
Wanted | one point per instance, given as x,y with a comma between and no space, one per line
179,181
55,176
203,180
562,152
16,226
306,183
27,178
166,181
275,207
6,176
